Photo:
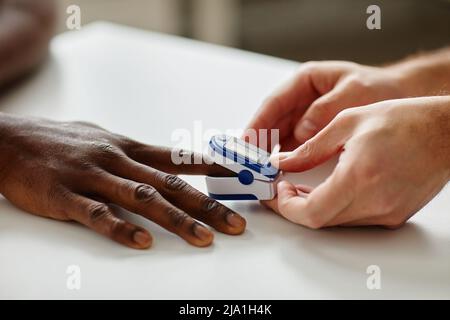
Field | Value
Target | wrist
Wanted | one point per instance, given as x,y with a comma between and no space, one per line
417,80
426,75
440,113
446,123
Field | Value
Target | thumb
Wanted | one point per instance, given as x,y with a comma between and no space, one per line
321,112
328,142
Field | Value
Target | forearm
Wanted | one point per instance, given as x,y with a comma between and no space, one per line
425,74
26,27
439,128
446,129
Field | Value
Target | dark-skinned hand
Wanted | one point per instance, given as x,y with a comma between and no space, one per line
72,171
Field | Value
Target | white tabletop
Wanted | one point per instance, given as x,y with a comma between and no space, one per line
145,85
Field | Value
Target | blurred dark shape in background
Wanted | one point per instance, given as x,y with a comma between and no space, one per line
294,29
325,29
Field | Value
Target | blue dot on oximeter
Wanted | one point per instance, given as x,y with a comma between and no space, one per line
245,177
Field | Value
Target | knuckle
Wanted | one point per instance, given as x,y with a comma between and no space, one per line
145,193
355,82
322,108
115,228
307,149
98,212
87,164
209,205
213,209
104,147
345,115
173,183
177,217
106,150
310,66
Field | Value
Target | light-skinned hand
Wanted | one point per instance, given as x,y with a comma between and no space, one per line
394,157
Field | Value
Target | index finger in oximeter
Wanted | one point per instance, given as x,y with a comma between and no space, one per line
256,178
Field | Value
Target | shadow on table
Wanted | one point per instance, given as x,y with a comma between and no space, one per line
411,254
75,236
337,258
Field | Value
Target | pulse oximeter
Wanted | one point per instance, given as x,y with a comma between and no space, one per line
255,177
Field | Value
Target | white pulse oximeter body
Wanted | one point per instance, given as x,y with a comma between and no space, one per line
255,177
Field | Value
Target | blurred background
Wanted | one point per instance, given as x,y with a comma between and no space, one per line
293,29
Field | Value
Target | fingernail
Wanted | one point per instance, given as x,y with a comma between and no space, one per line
306,129
276,158
141,238
234,220
281,156
202,233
